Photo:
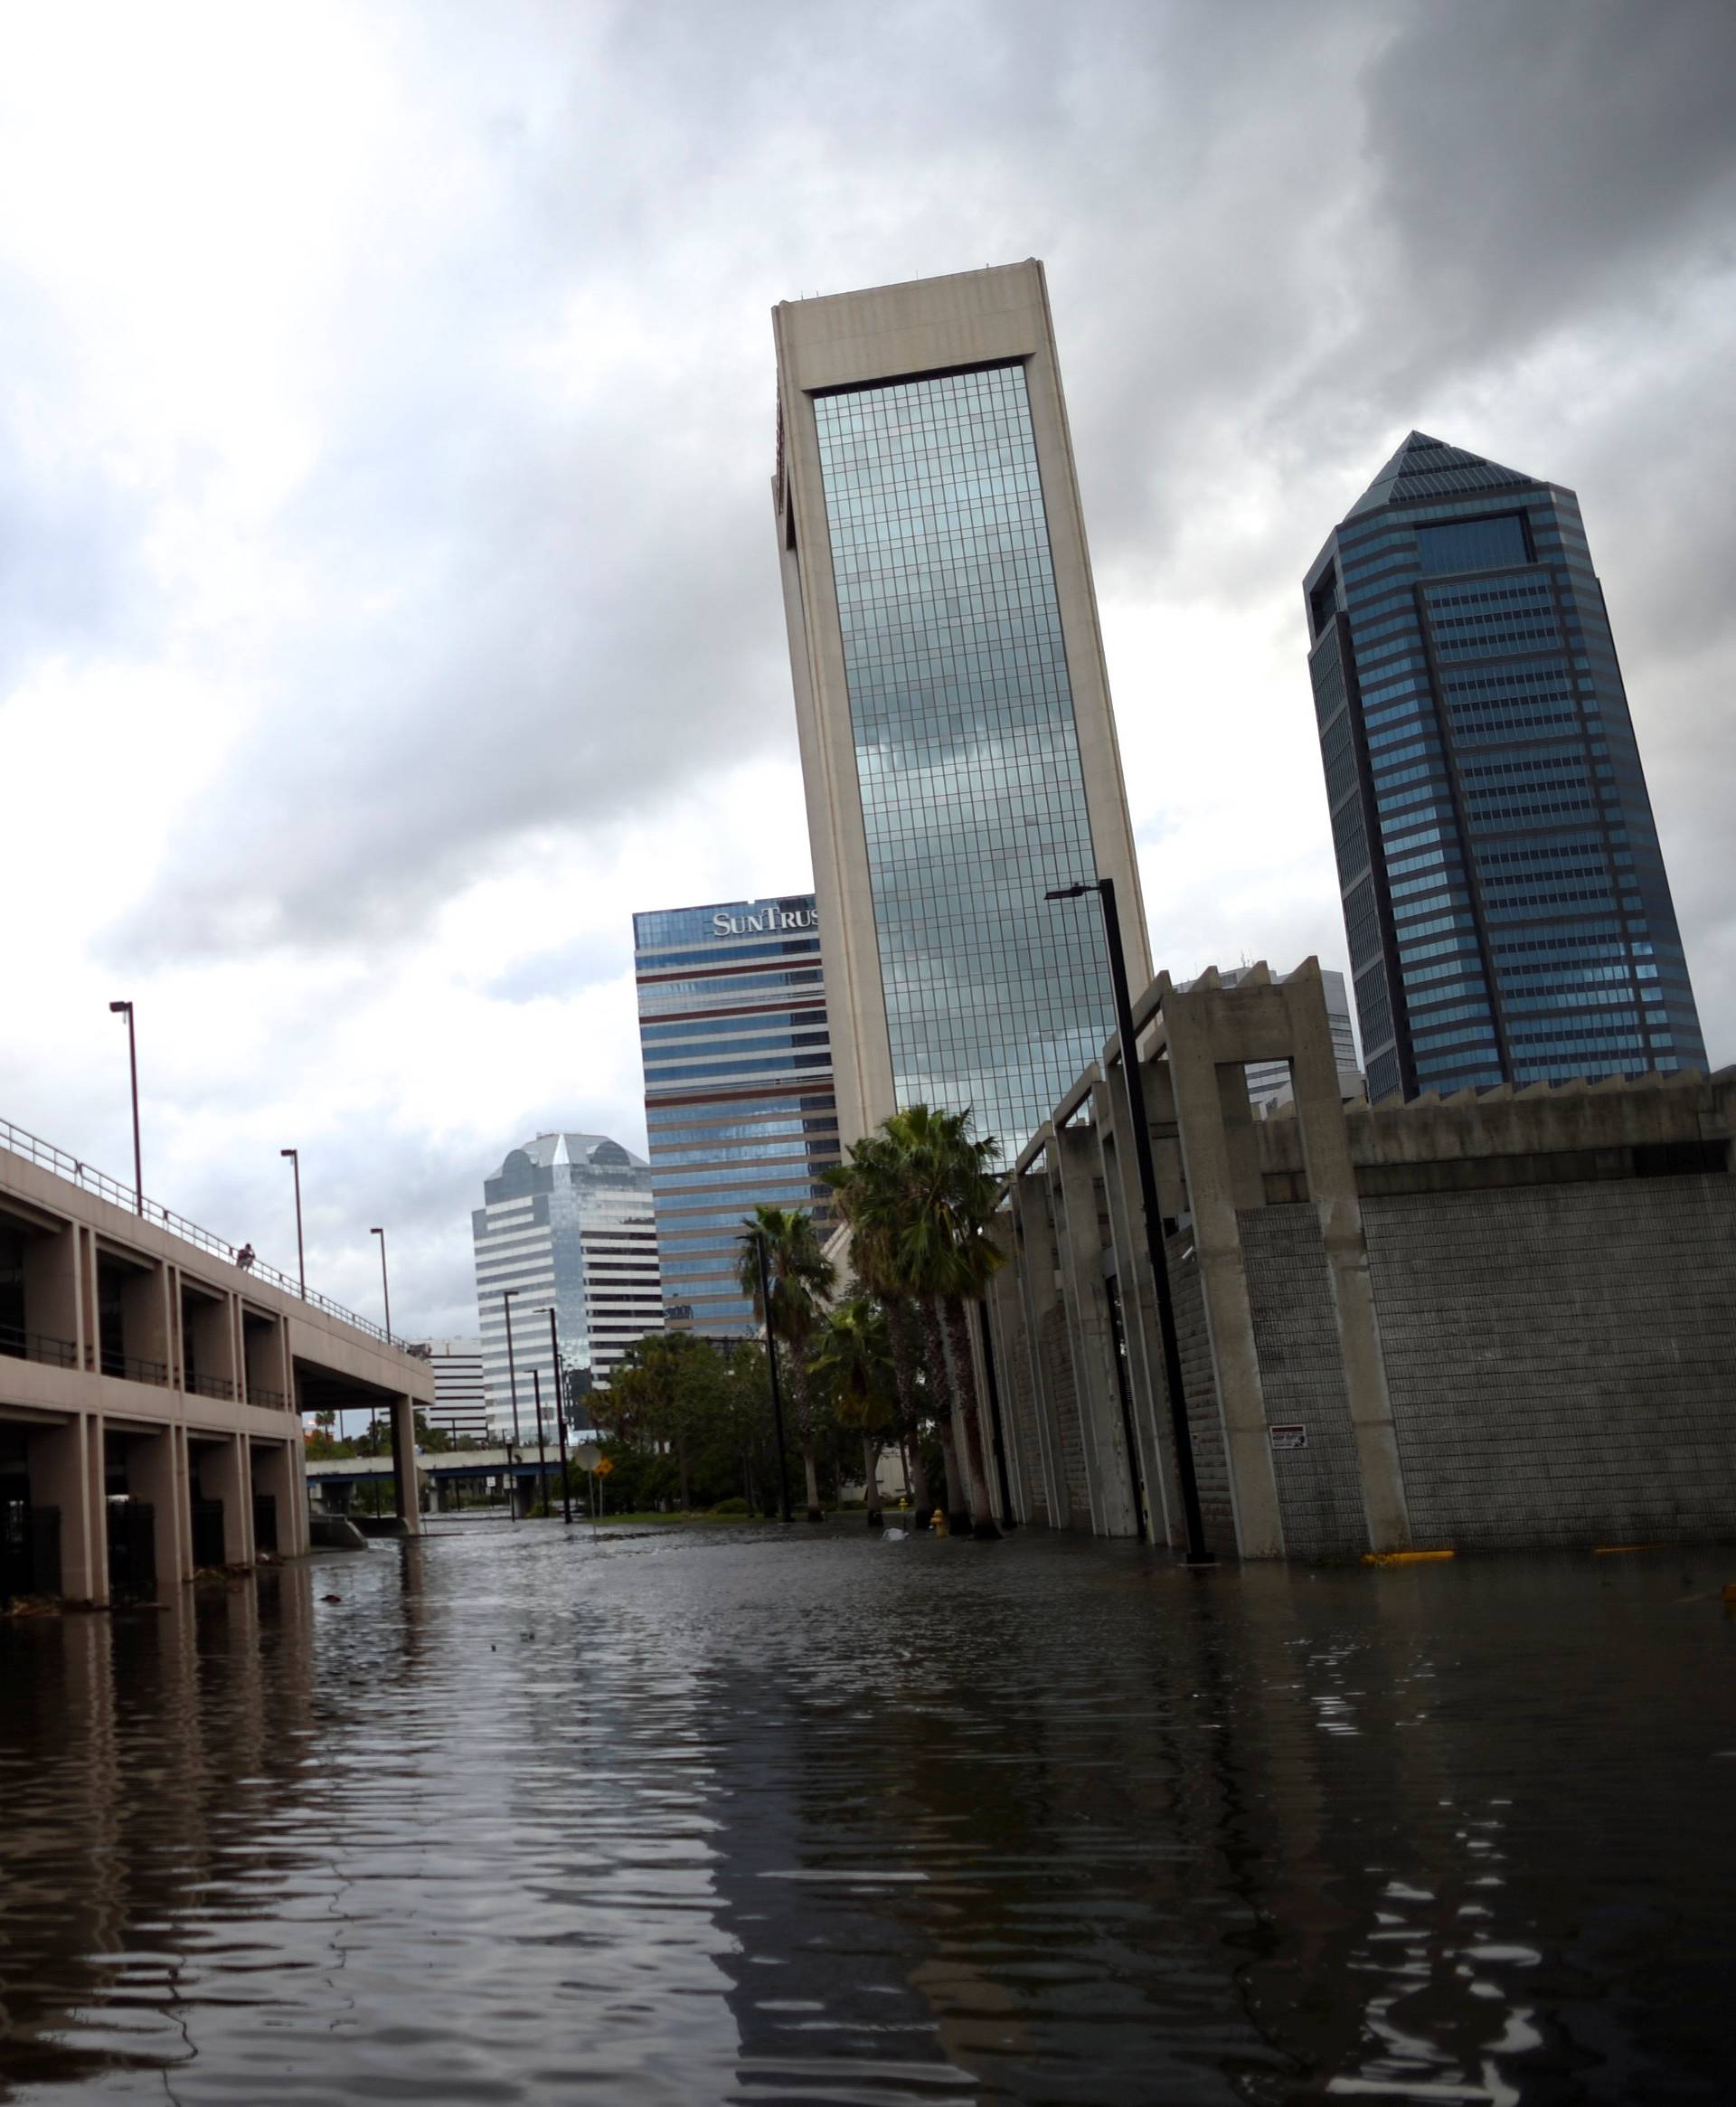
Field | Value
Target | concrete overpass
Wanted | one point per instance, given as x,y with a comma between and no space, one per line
151,1389
448,1468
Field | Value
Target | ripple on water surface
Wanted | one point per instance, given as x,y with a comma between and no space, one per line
738,1816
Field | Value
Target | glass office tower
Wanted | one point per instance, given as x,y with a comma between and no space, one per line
566,1222
1505,896
739,1103
958,745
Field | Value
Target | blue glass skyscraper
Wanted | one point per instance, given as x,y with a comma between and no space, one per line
739,1103
1505,900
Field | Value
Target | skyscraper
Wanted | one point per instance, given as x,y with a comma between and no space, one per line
566,1221
957,744
1505,896
737,1088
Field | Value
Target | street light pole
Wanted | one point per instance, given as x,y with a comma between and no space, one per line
506,1295
560,1414
385,1288
541,1454
1183,1434
771,1365
301,1258
132,1063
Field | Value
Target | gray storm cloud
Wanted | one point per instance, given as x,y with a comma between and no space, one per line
533,585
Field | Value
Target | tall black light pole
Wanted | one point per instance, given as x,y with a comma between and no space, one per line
560,1414
132,1063
1197,1554
506,1295
541,1454
301,1260
385,1288
771,1365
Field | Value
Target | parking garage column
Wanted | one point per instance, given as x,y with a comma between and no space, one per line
225,1475
403,1462
156,1472
65,1465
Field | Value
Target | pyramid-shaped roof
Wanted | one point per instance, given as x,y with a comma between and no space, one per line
1429,468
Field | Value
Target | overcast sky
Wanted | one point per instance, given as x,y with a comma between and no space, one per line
388,594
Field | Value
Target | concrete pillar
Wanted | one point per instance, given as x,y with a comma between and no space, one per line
1038,1267
285,1477
1332,1186
62,1476
53,1308
1096,1382
1133,1283
156,1472
225,1475
145,1319
403,1462
1211,1170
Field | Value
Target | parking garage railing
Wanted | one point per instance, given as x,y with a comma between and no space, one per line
21,1141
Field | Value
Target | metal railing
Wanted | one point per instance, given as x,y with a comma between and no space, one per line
37,1346
257,1393
209,1385
132,1368
21,1141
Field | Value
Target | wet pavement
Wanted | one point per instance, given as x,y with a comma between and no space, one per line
740,1816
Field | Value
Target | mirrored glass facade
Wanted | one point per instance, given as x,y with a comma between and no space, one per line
1506,900
967,750
739,1101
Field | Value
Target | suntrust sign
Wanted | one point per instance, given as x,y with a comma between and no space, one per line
767,921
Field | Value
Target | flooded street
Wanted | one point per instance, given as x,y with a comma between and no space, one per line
736,1815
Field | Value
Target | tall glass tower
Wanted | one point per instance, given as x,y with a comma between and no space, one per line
738,1089
957,744
1505,896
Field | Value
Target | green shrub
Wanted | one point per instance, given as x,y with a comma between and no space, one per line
735,1507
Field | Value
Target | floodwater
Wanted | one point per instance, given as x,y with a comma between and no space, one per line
734,1815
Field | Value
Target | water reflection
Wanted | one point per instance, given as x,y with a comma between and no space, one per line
510,1816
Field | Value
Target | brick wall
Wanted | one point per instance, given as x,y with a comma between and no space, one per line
1562,1360
1301,1376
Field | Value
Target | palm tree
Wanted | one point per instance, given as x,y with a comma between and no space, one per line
949,1259
852,1353
873,1197
801,1277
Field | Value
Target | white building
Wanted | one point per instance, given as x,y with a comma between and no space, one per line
566,1222
460,1399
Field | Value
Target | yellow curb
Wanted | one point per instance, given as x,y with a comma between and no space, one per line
1404,1557
1621,1549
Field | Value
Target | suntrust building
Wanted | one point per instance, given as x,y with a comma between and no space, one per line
739,1103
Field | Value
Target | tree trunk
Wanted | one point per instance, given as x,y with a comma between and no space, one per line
796,1376
916,1474
960,1496
871,1480
958,1514
964,1379
681,1466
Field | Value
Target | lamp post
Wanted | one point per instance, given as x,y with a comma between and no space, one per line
771,1365
385,1288
506,1295
541,1454
301,1260
560,1415
1197,1554
132,1063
